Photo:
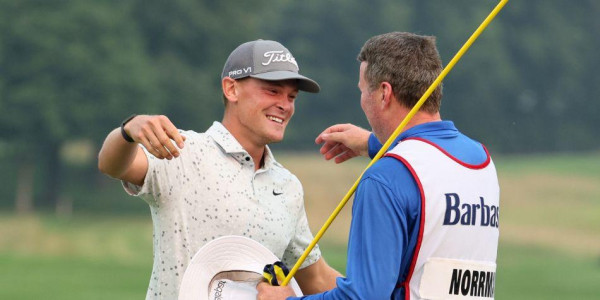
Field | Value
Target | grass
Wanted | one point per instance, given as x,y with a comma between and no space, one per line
552,202
549,244
85,257
64,277
529,272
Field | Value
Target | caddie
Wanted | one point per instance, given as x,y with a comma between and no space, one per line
425,216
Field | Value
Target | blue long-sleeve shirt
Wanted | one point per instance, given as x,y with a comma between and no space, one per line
386,215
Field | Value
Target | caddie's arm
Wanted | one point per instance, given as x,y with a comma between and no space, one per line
343,141
316,278
125,160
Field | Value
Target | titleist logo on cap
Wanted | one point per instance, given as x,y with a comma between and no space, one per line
278,56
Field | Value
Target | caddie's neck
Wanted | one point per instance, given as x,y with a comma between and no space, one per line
398,113
421,117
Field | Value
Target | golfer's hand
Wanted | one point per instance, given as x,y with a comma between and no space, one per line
156,133
343,141
269,292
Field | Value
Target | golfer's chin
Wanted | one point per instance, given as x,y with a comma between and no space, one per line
275,136
275,140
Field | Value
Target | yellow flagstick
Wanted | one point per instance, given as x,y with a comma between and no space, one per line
394,135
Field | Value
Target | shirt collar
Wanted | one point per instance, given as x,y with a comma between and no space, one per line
231,146
224,138
429,128
269,158
438,128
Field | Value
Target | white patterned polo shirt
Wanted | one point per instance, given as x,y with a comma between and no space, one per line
212,190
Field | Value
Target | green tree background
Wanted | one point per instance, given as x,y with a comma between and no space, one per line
70,71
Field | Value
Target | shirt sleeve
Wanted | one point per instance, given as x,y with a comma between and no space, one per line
158,178
374,145
378,235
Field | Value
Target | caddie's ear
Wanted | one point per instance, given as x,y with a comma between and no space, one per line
387,95
229,89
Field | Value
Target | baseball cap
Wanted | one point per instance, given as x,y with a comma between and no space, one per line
267,60
227,268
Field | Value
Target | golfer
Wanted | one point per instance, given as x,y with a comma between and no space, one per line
225,181
425,216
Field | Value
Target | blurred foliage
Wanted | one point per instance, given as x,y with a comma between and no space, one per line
71,70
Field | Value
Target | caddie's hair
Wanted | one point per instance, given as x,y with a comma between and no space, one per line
410,63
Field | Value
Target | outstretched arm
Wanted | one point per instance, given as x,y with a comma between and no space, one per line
123,160
343,141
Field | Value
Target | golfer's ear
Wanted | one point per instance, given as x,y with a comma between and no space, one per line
229,89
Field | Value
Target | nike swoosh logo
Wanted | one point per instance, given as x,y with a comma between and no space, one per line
276,194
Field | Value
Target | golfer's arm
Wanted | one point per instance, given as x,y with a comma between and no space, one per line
122,160
317,278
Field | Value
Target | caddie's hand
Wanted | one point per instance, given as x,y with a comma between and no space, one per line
275,273
268,292
343,141
156,133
